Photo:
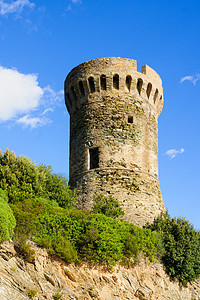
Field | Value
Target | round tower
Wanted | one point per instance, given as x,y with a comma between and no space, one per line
114,111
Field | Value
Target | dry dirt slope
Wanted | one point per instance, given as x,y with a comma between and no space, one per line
50,276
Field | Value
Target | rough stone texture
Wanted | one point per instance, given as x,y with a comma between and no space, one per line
118,114
50,276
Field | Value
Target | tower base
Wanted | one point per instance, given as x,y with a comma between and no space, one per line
138,193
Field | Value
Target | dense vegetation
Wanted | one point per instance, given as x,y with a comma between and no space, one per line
181,243
79,235
7,219
21,179
37,204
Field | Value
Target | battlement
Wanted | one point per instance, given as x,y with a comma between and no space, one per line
113,75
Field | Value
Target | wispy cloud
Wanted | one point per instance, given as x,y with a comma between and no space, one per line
172,153
22,100
7,7
69,7
47,110
51,95
33,122
193,78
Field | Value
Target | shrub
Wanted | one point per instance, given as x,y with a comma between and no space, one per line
95,237
182,247
25,250
60,246
22,179
57,296
32,293
109,207
7,219
27,212
80,235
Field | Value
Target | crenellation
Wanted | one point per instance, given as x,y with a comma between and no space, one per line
113,135
152,74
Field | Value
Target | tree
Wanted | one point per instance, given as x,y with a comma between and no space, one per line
182,247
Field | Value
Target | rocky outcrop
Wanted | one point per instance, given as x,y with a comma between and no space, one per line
51,278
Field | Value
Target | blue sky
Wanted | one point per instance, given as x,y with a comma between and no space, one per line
41,41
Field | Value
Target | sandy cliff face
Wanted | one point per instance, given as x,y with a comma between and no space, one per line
48,277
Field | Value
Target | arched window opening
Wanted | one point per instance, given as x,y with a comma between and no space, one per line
160,98
91,84
103,82
81,88
116,81
139,85
74,93
155,96
69,99
149,88
93,158
128,82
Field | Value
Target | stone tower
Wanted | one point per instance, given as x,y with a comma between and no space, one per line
114,135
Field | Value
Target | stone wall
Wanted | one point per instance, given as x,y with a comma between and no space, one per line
114,111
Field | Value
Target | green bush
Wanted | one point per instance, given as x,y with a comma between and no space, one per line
182,247
57,296
79,235
27,212
7,219
22,179
25,250
32,293
107,206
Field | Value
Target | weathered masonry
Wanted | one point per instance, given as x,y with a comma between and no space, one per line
114,135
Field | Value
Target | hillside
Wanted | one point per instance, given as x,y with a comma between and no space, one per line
59,252
49,277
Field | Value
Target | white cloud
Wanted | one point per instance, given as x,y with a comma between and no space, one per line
171,153
22,100
19,93
33,122
14,6
193,78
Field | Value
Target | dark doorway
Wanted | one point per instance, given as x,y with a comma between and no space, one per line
94,158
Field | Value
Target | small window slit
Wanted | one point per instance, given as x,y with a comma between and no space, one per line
91,84
81,88
128,82
103,82
116,81
149,88
139,85
155,96
74,93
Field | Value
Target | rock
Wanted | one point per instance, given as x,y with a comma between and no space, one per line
69,274
93,294
50,279
145,281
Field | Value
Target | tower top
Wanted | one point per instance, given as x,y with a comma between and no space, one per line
113,74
